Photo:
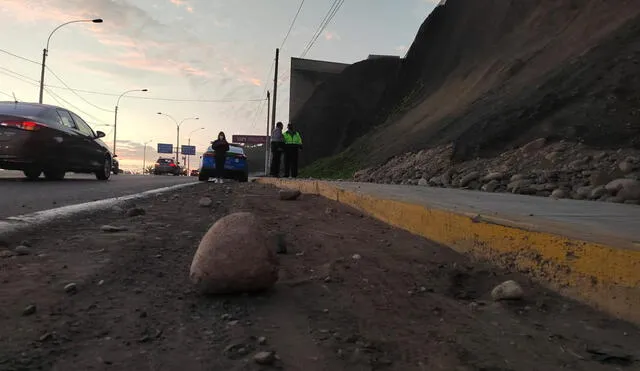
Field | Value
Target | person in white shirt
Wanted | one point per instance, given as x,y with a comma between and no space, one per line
277,148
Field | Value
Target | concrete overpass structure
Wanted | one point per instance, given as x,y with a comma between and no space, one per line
306,76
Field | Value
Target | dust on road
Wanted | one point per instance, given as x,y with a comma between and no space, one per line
354,294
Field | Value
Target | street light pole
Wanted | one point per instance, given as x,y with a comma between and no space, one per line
144,157
189,156
115,118
45,51
178,132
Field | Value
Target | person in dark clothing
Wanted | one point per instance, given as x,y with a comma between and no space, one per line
292,146
221,147
277,148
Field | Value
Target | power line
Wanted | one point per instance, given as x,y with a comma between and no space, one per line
129,97
18,56
74,92
66,87
335,7
293,22
74,106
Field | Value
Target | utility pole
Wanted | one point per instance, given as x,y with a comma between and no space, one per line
275,91
268,142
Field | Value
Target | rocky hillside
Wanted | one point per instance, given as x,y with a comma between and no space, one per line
487,77
560,170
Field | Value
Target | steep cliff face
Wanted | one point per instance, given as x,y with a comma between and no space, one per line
494,74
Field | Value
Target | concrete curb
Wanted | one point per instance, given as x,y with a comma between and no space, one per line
603,275
17,223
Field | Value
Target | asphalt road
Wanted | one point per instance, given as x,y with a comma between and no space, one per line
19,196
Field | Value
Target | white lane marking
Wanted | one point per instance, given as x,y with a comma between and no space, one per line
14,223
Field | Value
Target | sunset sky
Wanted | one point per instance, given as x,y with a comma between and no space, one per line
213,54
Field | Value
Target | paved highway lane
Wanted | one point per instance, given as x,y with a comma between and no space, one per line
19,196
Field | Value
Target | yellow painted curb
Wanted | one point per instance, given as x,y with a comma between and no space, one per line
607,277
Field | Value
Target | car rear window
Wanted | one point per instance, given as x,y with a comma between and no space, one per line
165,161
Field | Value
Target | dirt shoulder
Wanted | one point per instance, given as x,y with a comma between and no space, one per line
354,294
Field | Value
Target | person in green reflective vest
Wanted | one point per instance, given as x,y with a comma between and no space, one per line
292,146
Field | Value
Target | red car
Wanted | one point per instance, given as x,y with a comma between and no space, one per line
166,166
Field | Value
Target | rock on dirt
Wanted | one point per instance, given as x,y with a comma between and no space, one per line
289,194
29,310
508,290
234,256
205,202
71,288
112,229
22,250
264,358
135,211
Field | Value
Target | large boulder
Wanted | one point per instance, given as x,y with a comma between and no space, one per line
234,256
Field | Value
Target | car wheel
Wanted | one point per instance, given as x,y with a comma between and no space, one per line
54,174
105,172
32,174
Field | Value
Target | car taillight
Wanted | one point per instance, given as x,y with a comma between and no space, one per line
209,154
172,165
23,125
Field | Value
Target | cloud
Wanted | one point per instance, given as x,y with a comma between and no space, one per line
141,42
328,35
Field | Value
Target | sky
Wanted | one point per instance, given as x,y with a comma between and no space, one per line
210,59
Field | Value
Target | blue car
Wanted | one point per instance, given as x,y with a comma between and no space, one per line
235,166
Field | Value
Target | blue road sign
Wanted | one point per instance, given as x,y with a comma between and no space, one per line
188,150
165,148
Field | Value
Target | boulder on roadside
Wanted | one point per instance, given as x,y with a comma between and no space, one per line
625,189
423,182
534,145
468,178
491,186
234,256
289,194
559,193
508,290
493,176
626,166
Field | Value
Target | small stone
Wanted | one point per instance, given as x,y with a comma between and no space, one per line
226,317
135,211
205,202
22,250
29,310
559,193
233,323
71,288
101,282
491,186
325,310
626,167
262,340
46,336
356,257
327,279
289,194
265,358
508,290
112,229
6,253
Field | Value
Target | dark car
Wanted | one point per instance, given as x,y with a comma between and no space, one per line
37,138
166,166
235,165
